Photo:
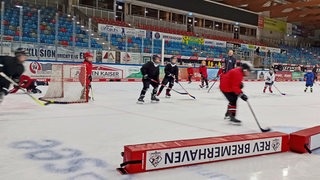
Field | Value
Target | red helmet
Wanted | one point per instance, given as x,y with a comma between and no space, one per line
87,55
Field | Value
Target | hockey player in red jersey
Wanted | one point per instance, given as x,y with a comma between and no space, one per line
190,72
231,86
28,83
86,75
204,74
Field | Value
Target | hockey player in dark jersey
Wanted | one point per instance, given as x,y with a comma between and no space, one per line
171,75
13,68
150,72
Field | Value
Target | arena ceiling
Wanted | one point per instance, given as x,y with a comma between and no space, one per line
304,12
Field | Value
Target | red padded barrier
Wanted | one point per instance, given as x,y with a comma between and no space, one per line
305,140
170,154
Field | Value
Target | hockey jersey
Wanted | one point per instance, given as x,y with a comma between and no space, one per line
203,71
232,81
309,77
151,69
190,70
269,78
85,72
171,69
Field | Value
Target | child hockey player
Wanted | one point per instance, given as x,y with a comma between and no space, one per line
86,75
150,72
204,74
171,75
190,72
28,83
269,78
231,85
309,78
13,68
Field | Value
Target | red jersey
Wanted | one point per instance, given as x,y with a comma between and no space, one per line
203,71
24,82
190,70
84,74
231,81
220,72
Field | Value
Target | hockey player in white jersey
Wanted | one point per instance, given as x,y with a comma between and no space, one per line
269,78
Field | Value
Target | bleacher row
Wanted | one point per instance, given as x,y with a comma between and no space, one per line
134,44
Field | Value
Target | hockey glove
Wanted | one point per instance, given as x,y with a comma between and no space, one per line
145,76
90,78
241,85
268,79
272,83
243,97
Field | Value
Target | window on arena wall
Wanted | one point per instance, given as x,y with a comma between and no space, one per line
208,24
243,31
151,13
178,18
164,16
227,28
218,26
198,22
137,10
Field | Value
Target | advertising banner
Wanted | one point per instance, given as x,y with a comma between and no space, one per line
110,29
170,37
298,76
192,40
65,53
108,56
275,25
283,76
173,157
130,58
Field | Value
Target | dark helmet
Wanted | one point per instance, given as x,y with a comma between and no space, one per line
21,52
154,57
246,66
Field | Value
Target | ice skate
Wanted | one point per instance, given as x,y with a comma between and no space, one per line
234,121
154,99
140,100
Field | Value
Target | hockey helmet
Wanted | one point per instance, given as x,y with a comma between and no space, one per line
21,52
154,57
87,55
246,66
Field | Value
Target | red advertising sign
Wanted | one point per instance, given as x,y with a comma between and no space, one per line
283,76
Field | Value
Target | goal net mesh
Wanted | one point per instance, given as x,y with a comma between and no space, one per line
67,84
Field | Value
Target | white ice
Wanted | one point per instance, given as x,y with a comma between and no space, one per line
101,128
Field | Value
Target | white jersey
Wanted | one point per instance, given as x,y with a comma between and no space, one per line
269,78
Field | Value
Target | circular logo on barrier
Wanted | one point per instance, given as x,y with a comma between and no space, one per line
35,67
157,35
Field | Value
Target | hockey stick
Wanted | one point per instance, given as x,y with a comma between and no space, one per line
213,84
92,96
255,118
279,90
182,93
186,91
25,91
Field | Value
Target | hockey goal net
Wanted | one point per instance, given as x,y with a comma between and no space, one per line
67,84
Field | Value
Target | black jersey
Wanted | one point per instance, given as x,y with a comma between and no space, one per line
151,69
171,70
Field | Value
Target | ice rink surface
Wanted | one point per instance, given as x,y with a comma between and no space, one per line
84,141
